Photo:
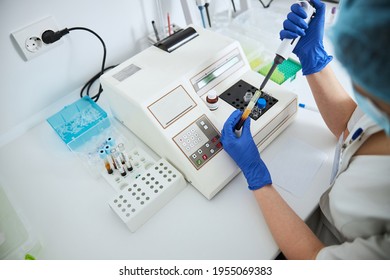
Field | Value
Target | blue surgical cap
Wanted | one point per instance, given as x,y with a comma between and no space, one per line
361,41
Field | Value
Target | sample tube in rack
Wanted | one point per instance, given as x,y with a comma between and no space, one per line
110,141
103,156
108,148
125,157
117,159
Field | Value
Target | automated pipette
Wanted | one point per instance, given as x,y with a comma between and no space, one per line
283,52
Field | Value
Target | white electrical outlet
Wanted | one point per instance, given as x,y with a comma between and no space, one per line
29,38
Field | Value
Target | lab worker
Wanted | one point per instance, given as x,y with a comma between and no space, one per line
353,220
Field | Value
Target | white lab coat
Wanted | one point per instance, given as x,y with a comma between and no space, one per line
356,209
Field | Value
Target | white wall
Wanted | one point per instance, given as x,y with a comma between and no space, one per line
27,87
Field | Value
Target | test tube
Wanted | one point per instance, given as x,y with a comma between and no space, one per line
110,141
261,104
107,148
256,112
248,109
124,156
107,165
248,96
117,160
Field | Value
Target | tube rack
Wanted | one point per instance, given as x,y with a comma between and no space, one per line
147,194
140,161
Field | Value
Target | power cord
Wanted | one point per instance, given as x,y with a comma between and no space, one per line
89,84
49,37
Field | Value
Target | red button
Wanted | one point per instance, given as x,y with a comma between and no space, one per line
219,145
204,157
214,140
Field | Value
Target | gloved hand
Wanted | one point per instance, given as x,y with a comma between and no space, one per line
310,49
244,152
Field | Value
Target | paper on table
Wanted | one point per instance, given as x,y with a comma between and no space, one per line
295,166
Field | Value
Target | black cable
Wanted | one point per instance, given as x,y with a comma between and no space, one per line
95,97
266,6
50,36
89,84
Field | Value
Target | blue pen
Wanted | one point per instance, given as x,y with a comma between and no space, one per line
311,108
202,16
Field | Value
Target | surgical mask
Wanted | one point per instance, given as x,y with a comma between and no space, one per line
381,118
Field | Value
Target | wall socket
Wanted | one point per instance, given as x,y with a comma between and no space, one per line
29,38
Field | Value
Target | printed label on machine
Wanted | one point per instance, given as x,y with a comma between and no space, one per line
172,106
200,141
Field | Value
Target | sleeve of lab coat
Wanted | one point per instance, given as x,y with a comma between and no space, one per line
372,248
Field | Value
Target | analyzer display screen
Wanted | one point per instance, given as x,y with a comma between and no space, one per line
217,72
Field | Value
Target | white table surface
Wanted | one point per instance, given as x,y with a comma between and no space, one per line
68,208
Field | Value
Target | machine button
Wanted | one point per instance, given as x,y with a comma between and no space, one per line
207,145
200,151
204,157
199,162
219,145
202,123
205,127
194,156
214,139
212,151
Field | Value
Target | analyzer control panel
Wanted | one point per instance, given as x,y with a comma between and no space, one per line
200,141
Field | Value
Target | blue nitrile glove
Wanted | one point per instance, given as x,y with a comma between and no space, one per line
310,49
244,152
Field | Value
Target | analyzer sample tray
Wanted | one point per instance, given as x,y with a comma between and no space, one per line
235,97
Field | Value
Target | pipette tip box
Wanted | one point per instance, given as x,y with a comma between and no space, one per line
285,71
78,122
